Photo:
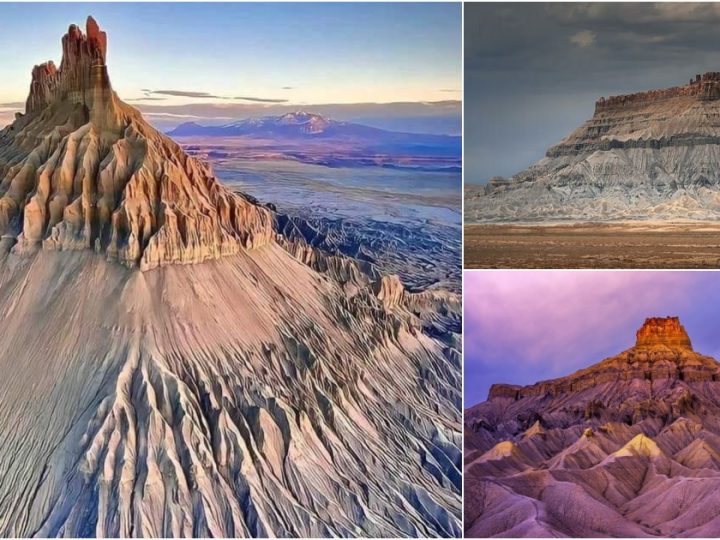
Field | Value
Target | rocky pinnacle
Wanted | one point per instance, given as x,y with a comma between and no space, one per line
82,76
83,170
663,331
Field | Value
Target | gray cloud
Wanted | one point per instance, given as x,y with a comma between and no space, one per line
184,117
206,95
288,88
183,93
13,105
147,98
584,38
643,13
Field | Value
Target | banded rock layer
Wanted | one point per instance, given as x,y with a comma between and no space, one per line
650,155
627,447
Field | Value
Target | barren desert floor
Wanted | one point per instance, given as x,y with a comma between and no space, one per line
405,222
594,245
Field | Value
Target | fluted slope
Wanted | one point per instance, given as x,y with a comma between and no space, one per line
248,396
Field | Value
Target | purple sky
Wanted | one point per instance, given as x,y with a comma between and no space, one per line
525,326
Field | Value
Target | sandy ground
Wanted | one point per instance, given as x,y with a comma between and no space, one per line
594,245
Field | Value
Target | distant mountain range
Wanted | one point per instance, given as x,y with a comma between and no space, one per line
306,127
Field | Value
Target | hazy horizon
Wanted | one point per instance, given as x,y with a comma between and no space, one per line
216,62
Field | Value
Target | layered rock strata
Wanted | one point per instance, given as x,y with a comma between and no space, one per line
650,155
82,170
663,332
662,351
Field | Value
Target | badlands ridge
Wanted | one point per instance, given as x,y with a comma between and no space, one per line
174,363
628,447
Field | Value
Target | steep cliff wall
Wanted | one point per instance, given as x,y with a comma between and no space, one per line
650,155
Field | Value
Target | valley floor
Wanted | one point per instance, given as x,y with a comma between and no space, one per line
593,245
405,222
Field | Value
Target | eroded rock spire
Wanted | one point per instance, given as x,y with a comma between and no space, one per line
82,76
83,170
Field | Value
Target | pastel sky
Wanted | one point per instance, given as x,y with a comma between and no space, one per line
250,54
526,326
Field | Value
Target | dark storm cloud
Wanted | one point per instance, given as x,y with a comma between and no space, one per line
534,71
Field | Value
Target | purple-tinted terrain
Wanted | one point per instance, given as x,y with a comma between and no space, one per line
581,426
526,326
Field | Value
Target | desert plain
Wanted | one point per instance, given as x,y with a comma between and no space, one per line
634,244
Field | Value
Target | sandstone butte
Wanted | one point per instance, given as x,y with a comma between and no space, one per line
665,117
662,351
652,155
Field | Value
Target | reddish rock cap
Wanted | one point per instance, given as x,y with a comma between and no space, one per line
663,331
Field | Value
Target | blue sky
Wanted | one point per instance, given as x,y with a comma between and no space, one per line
522,327
300,53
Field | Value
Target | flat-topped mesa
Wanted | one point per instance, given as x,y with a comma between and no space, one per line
82,76
663,332
704,87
